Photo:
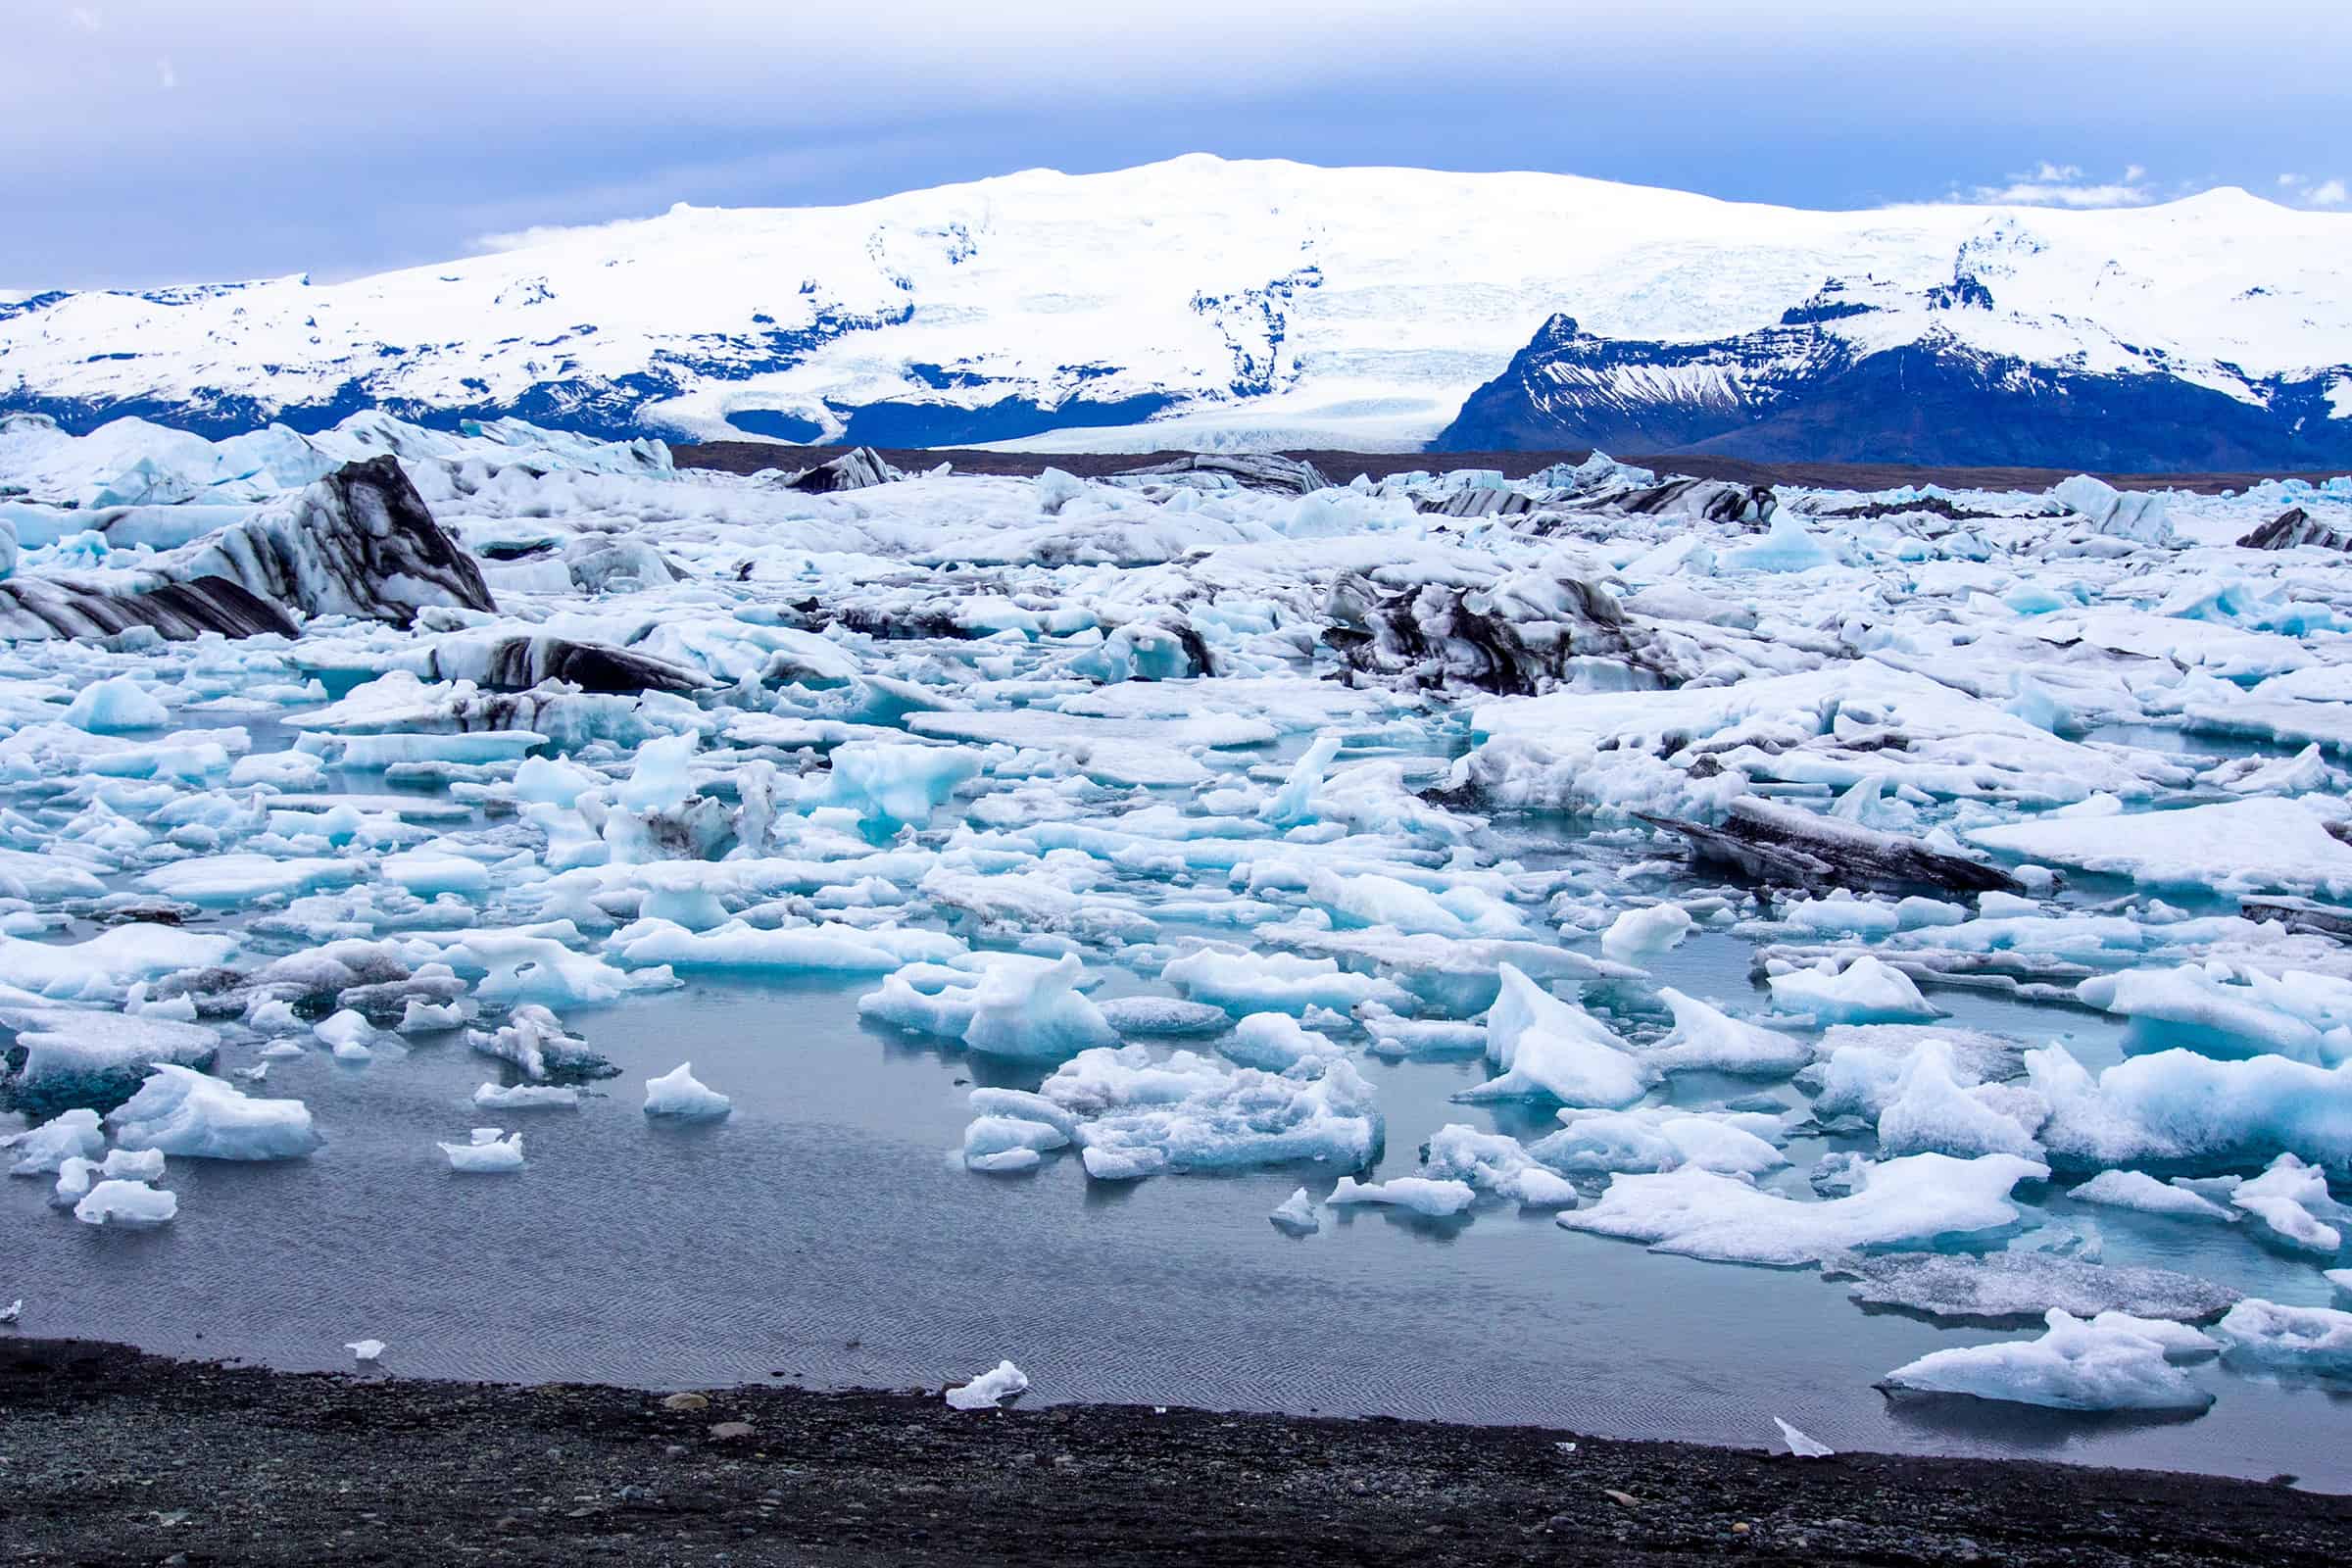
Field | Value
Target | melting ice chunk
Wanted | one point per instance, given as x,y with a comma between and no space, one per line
985,1392
678,1092
485,1153
2104,1364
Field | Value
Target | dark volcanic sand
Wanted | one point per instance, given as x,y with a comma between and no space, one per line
750,457
109,1457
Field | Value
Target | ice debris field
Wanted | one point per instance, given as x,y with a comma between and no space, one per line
1933,897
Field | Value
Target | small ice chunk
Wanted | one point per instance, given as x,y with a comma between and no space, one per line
990,1387
1865,991
2288,1199
348,1032
1137,1116
115,706
1802,1446
1659,1138
2131,1189
365,1352
184,1113
1296,1214
1638,935
2007,1285
678,1092
1916,1200
1930,1110
485,1155
1277,1042
525,1097
2075,1365
126,1202
1435,1199
1496,1163
422,1017
1551,1048
996,1143
1706,1038
1276,982
2315,1340
132,1165
70,1134
1163,1015
1035,1012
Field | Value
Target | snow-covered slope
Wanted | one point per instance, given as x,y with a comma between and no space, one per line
1200,302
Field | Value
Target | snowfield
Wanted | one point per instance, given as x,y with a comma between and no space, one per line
1181,812
1201,303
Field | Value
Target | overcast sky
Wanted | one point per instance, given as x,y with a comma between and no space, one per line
148,141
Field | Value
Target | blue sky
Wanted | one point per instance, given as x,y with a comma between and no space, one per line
160,140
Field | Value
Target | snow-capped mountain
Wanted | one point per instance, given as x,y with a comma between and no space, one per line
1213,304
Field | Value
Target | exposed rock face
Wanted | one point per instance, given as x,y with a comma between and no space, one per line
2293,528
359,541
1519,637
856,470
1785,847
1816,388
1252,470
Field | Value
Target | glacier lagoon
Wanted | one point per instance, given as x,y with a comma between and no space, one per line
1341,754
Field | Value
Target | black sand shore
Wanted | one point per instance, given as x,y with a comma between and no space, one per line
110,1456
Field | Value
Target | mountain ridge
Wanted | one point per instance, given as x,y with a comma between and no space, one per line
1207,304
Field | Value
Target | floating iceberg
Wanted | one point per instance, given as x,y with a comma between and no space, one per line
1436,1200
485,1153
126,1202
2098,1365
678,1092
1550,1048
1917,1201
181,1112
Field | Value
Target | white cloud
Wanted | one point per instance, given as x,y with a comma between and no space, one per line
2051,184
166,74
2306,192
83,18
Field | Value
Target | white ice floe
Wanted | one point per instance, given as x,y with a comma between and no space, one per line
1296,1214
2131,1189
1706,1038
183,1113
1133,1115
2312,1341
678,1093
990,1388
71,1135
1550,1048
485,1153
1914,1200
1645,933
1802,1446
126,1202
2108,1363
1865,991
1436,1200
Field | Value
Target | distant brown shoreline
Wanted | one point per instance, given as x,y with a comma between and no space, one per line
750,457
